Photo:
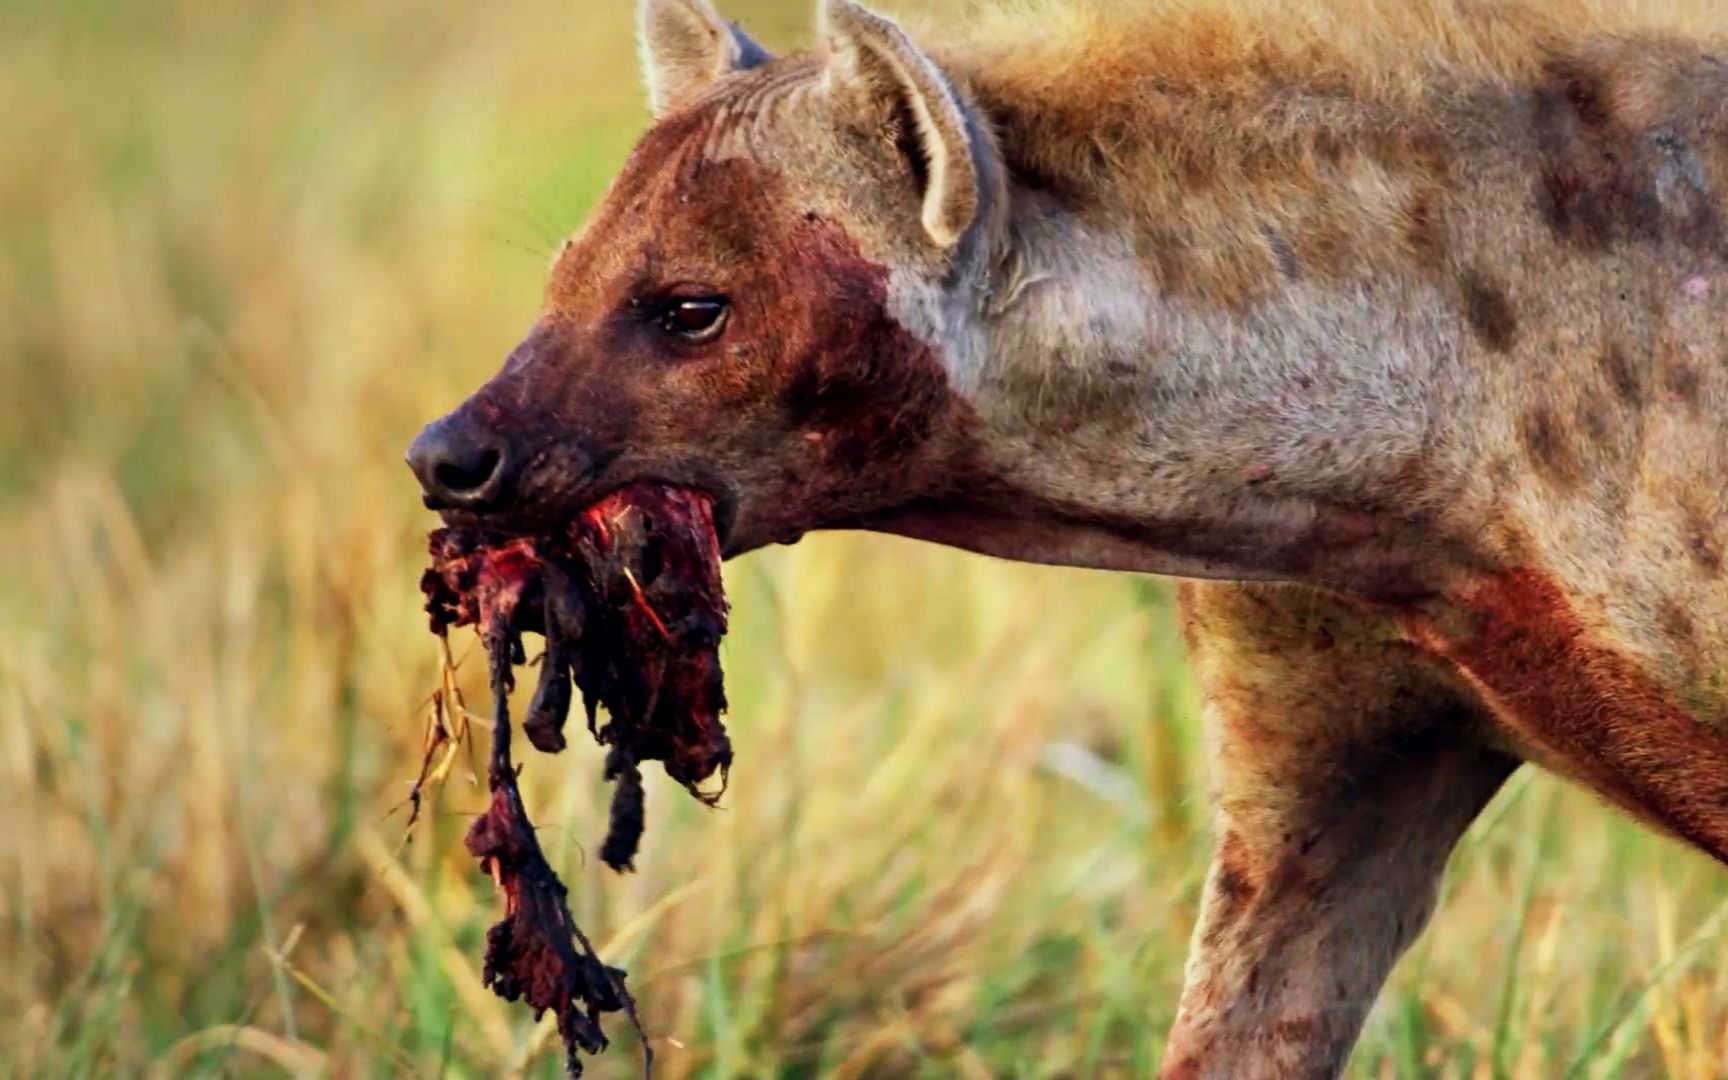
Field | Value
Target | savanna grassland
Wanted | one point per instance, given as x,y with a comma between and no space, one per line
246,249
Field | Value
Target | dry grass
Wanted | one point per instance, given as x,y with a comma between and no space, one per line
245,249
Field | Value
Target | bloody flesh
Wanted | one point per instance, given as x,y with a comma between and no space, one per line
629,601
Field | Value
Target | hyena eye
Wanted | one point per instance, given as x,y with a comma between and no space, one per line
695,320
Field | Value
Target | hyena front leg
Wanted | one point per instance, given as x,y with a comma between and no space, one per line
1344,771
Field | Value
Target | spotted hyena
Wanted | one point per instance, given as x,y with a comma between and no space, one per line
1405,339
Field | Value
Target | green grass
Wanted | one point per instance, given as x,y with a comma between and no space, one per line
245,250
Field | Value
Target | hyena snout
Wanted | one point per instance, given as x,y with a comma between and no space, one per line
463,466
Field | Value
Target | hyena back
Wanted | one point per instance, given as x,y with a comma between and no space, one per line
1404,336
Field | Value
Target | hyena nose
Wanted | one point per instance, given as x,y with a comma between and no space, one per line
460,468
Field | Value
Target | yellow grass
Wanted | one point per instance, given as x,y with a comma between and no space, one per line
246,249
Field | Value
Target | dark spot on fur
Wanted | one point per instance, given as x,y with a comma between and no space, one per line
1596,419
1295,1030
1622,376
1677,623
1489,311
1233,883
1284,255
1329,147
1701,540
1550,448
1502,474
1683,191
1233,886
1585,90
1514,543
1423,232
1682,382
1597,182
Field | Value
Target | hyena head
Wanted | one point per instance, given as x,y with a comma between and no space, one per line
734,317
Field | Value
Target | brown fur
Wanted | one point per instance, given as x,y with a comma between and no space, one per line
1217,127
806,391
1407,320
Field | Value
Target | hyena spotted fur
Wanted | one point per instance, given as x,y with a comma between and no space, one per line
1400,329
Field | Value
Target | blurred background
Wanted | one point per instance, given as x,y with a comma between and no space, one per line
246,250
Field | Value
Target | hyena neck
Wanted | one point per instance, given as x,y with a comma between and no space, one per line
1301,436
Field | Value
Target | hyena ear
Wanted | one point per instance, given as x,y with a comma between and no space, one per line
875,66
686,45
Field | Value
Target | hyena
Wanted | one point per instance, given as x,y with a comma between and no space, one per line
1399,330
